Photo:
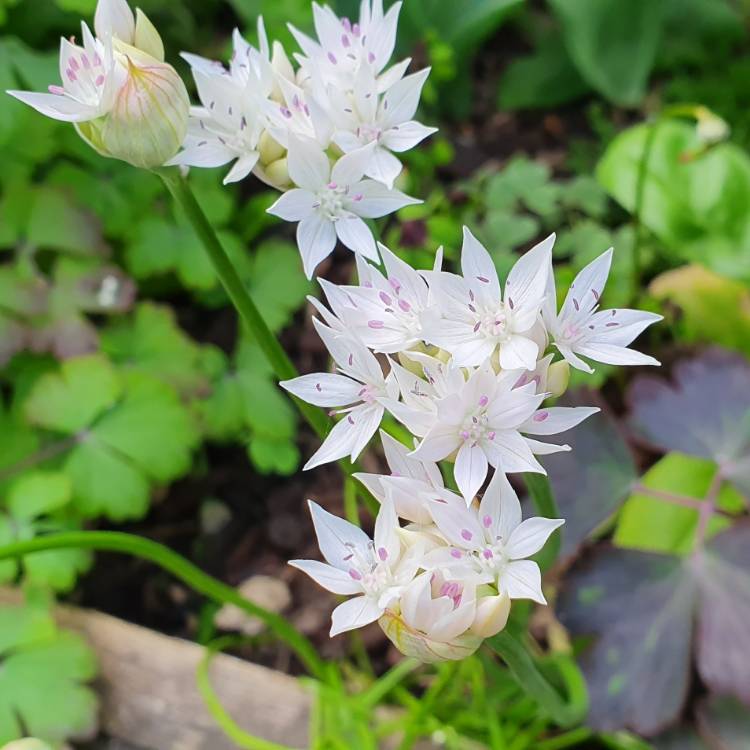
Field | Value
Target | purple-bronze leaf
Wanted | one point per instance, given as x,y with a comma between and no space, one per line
638,609
704,412
723,630
594,479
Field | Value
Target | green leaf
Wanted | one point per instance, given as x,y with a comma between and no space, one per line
69,400
277,283
546,78
152,342
38,493
696,205
42,678
613,44
713,309
131,431
654,525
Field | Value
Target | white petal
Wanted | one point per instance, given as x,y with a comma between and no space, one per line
367,419
500,509
387,544
377,200
346,141
356,235
616,355
350,168
574,361
324,389
470,470
294,205
402,99
308,164
392,75
522,579
384,167
545,449
530,536
557,419
587,287
354,613
405,136
478,269
403,465
339,442
619,326
56,106
519,353
527,281
209,154
242,168
336,536
328,577
316,239
457,523
438,443
512,454
114,18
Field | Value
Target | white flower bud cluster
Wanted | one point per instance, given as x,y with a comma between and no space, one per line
326,133
125,101
465,364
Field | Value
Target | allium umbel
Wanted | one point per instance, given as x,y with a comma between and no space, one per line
465,364
125,101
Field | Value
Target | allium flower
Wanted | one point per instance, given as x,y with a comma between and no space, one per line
481,424
359,387
343,46
376,570
330,202
385,311
433,618
229,124
476,318
410,484
601,335
492,542
125,101
386,121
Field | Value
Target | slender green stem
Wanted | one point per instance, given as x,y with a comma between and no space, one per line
228,725
238,294
540,489
181,568
383,685
533,682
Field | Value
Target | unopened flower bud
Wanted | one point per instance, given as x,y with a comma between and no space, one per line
269,148
432,619
491,616
558,377
277,174
146,37
148,119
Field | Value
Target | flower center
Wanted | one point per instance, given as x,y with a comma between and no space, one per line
370,568
331,201
476,426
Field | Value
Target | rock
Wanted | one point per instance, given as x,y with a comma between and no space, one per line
267,592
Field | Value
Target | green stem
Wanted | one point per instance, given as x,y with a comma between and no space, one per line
540,489
238,294
181,568
228,725
533,682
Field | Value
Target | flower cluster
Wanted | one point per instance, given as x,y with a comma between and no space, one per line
125,101
465,364
327,133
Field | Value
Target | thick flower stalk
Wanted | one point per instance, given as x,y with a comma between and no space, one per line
124,99
466,364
